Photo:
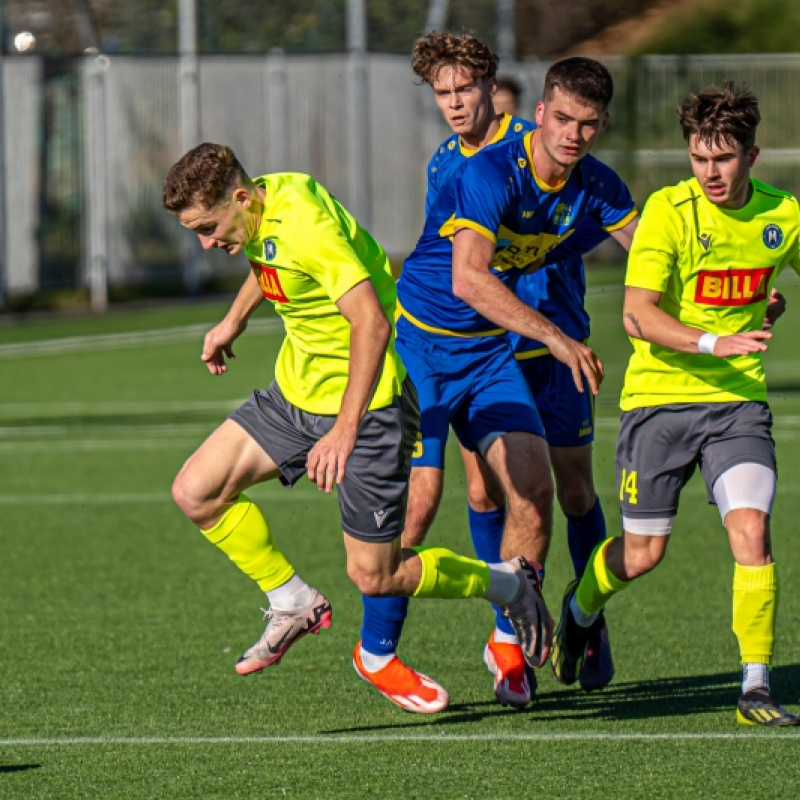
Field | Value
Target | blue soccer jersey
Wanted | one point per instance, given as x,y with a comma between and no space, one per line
451,155
558,289
429,267
498,194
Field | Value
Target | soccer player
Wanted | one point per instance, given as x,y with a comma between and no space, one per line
460,358
703,261
463,90
340,407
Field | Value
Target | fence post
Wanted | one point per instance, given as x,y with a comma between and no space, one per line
94,73
358,112
191,252
277,111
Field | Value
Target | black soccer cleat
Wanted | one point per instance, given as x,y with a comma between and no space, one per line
757,707
569,642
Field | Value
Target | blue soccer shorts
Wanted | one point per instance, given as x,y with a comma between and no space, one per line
567,414
472,384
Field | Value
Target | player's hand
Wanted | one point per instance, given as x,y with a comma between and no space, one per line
218,344
741,344
327,459
776,305
582,360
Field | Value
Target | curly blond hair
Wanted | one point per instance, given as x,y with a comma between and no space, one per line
440,49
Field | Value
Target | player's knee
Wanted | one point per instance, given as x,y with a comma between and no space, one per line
642,560
187,497
368,582
538,493
576,499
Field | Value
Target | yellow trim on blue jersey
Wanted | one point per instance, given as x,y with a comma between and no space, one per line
527,142
528,354
501,132
633,213
468,223
401,312
525,355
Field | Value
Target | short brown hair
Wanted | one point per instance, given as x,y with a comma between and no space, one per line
202,177
721,115
582,78
443,49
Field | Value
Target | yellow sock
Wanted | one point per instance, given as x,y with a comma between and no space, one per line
244,536
598,583
755,604
445,574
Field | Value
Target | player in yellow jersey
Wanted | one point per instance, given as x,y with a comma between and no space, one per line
700,273
340,407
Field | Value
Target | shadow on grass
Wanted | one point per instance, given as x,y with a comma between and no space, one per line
635,700
18,767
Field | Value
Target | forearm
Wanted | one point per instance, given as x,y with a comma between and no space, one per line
487,294
650,323
247,300
368,342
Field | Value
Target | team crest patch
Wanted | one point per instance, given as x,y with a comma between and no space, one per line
517,127
270,250
522,163
451,145
773,236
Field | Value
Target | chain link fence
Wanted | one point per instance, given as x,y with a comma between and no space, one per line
89,141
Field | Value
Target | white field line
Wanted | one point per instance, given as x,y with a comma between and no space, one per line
323,739
118,341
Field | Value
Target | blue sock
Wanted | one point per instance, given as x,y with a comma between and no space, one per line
382,623
583,535
486,528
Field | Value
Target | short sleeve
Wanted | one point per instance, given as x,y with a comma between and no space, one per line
656,245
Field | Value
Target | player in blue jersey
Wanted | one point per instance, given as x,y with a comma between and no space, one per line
463,92
464,365
557,290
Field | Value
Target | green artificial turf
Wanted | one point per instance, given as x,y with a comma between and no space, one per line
121,624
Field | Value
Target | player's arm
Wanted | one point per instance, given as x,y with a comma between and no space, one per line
644,319
476,285
370,331
218,342
625,234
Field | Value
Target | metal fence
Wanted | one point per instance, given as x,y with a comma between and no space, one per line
88,143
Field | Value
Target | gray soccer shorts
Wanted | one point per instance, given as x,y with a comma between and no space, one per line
658,449
374,492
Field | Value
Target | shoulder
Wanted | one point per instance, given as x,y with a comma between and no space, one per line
681,197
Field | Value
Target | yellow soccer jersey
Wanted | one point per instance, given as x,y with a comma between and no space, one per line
715,269
309,251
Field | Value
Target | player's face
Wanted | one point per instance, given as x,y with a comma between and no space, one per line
465,102
568,127
226,226
722,170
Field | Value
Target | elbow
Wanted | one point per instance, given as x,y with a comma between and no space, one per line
464,289
382,329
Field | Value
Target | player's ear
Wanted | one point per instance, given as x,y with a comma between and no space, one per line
242,197
752,155
538,114
604,123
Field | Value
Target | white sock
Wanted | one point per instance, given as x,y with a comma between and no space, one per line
372,662
504,584
290,596
584,620
505,638
754,676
